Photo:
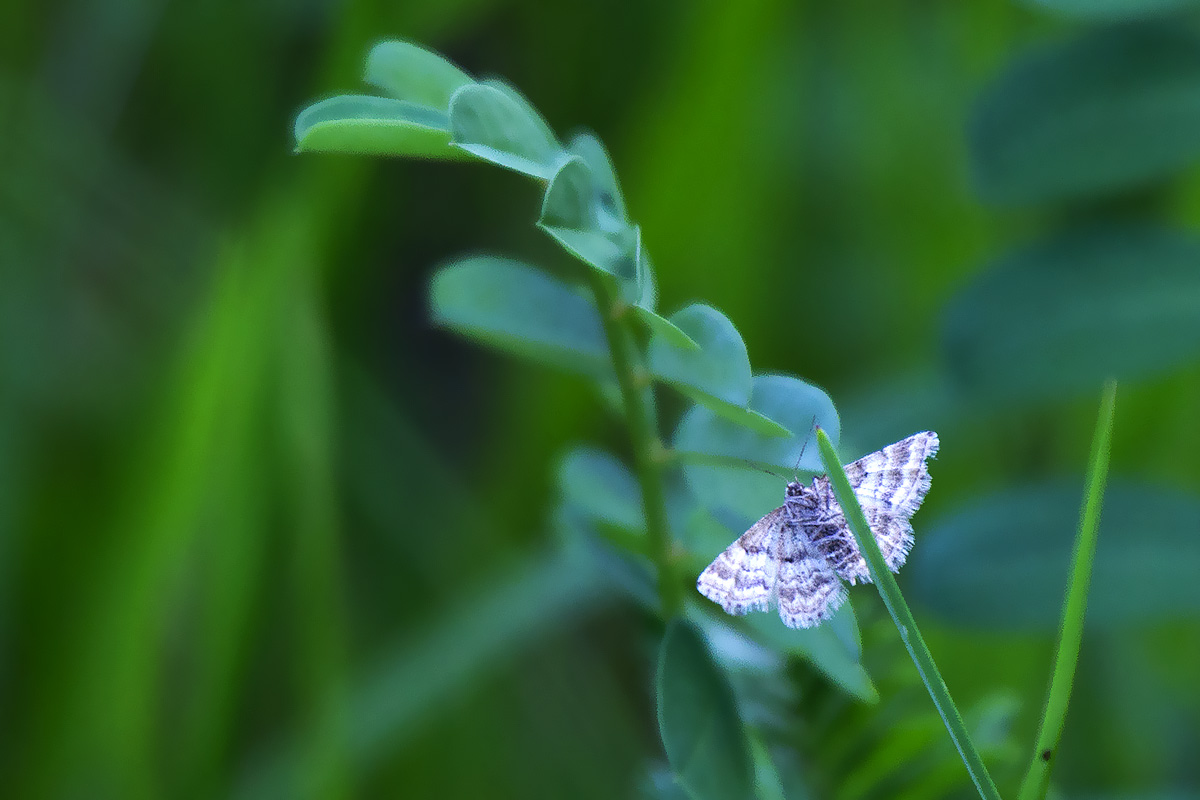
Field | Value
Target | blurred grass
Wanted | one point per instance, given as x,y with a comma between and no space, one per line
1070,637
248,496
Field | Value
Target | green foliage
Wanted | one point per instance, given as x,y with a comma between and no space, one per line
267,532
698,719
1109,110
738,418
414,120
374,126
583,217
598,484
833,648
889,591
1117,300
966,561
518,308
1110,9
1070,637
715,449
717,371
406,71
495,123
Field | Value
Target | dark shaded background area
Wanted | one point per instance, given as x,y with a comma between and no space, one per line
259,520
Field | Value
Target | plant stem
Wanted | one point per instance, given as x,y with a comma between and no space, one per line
894,601
1037,778
648,449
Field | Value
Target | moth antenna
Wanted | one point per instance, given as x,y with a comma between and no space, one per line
769,472
804,444
755,466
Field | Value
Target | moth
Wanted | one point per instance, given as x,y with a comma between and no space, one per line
798,556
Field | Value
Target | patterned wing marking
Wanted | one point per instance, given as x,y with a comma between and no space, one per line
809,590
893,533
895,478
742,578
890,484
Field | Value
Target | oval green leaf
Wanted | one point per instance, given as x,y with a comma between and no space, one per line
610,203
665,329
544,131
824,646
1101,10
719,455
1003,562
698,720
493,122
1062,316
601,486
409,72
1115,108
718,370
514,307
572,214
374,126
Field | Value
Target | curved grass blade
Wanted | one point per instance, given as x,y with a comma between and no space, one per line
1037,778
889,592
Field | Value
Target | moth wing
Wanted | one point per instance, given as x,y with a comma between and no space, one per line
890,485
742,578
895,478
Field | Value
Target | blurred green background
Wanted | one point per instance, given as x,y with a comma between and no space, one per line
267,532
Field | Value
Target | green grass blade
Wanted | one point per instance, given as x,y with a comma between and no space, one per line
1037,778
894,601
305,405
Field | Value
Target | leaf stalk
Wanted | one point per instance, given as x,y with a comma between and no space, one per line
638,401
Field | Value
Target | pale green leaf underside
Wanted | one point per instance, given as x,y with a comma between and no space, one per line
406,71
515,307
719,369
665,329
703,435
577,212
821,646
591,150
494,123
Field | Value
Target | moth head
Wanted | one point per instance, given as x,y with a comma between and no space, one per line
794,489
